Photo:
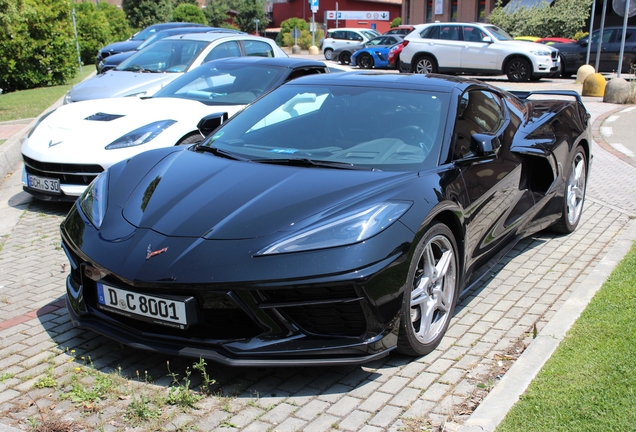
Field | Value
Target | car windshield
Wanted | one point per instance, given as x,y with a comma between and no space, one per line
219,83
339,127
167,55
370,34
498,33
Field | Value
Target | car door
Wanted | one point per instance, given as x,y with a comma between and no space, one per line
495,203
476,53
446,44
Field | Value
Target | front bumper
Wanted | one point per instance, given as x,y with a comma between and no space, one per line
328,319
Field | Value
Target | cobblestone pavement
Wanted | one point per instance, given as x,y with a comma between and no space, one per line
52,373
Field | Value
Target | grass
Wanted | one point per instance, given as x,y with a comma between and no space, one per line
589,383
31,103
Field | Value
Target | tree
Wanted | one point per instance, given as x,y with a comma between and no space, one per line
248,11
216,12
284,38
142,13
564,18
396,22
186,12
92,30
176,3
117,22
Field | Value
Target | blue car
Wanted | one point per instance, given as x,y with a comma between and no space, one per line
372,57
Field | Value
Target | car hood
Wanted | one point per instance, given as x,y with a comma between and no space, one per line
526,45
191,194
74,132
120,83
115,59
127,45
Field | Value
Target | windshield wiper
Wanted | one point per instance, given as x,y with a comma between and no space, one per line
138,69
306,162
221,153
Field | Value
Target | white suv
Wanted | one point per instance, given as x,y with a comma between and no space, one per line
341,37
476,49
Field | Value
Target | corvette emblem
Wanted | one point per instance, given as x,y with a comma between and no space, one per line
51,143
150,253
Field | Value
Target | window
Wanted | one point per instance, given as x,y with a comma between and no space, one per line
449,32
430,32
479,112
226,49
258,48
473,34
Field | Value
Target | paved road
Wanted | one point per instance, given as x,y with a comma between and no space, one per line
39,346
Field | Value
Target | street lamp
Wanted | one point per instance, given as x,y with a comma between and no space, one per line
256,21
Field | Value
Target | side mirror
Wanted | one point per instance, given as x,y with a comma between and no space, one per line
210,122
486,145
487,39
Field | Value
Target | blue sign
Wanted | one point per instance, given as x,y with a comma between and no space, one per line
313,4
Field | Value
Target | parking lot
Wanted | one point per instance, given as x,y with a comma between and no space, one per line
52,372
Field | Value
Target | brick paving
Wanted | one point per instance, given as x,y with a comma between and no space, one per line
521,294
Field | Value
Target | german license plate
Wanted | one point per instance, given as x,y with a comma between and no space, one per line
158,310
44,184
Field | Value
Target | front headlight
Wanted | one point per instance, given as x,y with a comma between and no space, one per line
93,201
350,228
40,120
541,53
67,98
141,135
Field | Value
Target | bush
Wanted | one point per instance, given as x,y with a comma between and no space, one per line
190,13
305,39
37,45
117,22
142,13
284,37
92,30
563,19
396,22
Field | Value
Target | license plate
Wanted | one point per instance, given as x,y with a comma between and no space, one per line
45,184
158,310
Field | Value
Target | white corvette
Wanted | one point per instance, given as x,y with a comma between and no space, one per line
71,145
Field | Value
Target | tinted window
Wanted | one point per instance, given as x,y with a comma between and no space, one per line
226,49
165,56
430,32
258,48
478,112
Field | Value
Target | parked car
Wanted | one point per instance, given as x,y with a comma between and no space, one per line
72,145
527,38
401,30
343,55
374,56
393,58
112,61
573,54
476,49
137,39
278,241
146,71
342,37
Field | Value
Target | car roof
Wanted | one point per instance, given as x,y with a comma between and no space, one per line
430,82
212,36
289,62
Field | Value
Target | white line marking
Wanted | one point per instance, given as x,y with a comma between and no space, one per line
628,109
606,131
621,148
612,118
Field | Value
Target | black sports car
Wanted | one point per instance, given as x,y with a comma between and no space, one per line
278,240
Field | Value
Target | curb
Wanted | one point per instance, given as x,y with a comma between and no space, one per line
494,408
600,139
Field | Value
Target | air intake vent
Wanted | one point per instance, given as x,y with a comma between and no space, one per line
100,116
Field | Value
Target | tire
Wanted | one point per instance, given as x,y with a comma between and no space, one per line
191,138
328,52
345,57
574,193
400,68
424,65
519,70
431,292
365,61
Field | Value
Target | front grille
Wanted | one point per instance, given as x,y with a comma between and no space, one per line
331,319
326,310
77,174
219,316
554,55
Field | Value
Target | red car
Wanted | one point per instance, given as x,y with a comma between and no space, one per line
394,54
